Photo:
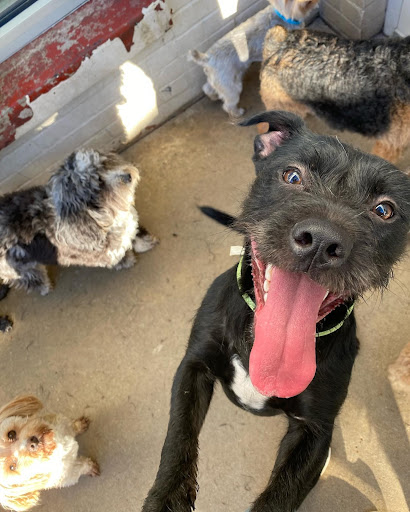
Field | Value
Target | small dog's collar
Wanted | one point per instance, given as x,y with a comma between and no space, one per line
287,20
251,303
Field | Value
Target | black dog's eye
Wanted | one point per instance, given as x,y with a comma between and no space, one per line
292,176
12,435
384,210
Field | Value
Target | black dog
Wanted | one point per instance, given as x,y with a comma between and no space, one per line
323,223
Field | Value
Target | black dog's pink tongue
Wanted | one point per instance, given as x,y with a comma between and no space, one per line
283,358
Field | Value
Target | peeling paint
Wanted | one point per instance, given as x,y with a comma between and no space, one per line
105,61
127,38
154,23
26,113
58,53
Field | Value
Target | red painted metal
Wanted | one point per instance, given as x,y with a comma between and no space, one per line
58,53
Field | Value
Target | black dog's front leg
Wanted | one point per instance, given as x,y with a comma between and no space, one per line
175,487
301,458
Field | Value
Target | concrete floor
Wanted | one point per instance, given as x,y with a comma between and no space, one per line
106,344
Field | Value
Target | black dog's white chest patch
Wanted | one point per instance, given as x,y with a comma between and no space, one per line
243,388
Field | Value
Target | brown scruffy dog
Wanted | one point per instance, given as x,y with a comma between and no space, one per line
361,86
85,215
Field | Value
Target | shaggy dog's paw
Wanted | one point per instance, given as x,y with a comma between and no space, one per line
81,425
5,324
234,112
4,290
45,288
145,242
94,468
128,261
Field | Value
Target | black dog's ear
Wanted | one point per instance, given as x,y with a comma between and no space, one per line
282,126
76,184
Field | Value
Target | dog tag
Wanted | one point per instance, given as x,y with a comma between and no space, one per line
236,250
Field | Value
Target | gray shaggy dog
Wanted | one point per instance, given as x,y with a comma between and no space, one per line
85,215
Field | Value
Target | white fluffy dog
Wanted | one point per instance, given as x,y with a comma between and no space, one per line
226,61
38,451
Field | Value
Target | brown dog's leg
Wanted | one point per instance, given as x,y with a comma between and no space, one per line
391,145
274,97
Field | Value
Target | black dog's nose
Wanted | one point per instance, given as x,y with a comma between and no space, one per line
33,443
319,244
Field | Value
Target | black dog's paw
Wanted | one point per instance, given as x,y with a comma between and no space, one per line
265,503
166,506
262,507
5,324
177,501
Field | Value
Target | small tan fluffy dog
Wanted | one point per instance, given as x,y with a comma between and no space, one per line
38,451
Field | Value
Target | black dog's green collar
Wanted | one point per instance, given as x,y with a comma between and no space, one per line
252,304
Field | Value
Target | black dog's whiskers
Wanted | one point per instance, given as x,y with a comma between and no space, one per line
324,224
404,289
337,138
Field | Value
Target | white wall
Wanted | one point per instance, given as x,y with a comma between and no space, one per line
403,27
397,18
355,19
114,95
